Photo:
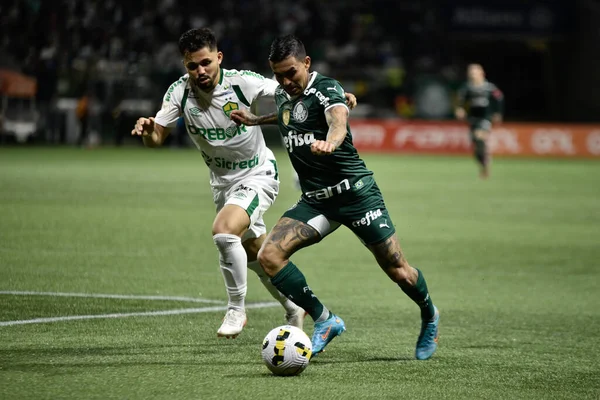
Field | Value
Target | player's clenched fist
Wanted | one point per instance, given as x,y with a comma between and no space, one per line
243,117
350,100
143,127
322,147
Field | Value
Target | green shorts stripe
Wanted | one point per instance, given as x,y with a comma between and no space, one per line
276,170
252,206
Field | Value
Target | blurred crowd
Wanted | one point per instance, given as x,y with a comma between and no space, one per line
70,44
109,53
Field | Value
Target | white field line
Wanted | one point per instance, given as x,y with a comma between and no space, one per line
111,296
135,314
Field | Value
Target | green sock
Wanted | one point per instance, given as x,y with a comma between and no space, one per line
291,282
420,295
480,152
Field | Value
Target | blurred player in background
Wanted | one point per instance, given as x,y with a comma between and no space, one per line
338,189
243,171
485,104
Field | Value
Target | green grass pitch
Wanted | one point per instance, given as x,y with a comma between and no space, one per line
512,263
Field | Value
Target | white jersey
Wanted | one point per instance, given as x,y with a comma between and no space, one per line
231,152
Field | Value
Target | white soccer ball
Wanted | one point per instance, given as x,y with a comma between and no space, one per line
286,350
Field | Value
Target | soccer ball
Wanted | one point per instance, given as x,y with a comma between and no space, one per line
286,350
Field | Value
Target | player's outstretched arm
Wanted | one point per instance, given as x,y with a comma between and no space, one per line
337,119
244,117
153,134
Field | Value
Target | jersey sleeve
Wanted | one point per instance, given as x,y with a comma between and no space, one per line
170,111
250,86
332,94
267,88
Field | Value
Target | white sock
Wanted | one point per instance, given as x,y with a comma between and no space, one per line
290,306
233,261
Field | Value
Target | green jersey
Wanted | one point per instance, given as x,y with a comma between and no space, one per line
481,100
301,122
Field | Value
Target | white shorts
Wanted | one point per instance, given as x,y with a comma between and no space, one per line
255,194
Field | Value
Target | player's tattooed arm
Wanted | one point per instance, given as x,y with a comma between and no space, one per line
337,118
247,118
268,119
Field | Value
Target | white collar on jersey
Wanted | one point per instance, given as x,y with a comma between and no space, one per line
313,76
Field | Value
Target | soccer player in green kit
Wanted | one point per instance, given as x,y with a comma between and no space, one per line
337,189
485,104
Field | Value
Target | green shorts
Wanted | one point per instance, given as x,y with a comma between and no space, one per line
476,124
362,211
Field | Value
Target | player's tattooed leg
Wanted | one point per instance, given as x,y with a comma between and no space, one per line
290,235
411,280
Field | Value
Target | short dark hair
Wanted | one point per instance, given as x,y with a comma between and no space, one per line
285,46
196,39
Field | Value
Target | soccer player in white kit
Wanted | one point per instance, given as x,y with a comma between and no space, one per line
243,170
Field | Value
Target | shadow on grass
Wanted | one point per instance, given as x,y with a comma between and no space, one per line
323,362
357,360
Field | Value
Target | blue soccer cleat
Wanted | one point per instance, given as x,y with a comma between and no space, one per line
428,338
325,332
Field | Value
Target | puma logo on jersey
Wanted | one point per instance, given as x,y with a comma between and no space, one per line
384,225
294,139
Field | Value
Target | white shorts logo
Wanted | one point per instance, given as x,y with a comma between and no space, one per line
300,112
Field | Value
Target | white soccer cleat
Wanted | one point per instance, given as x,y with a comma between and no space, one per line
296,318
233,323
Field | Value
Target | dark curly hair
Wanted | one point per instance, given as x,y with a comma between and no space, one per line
285,46
196,39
